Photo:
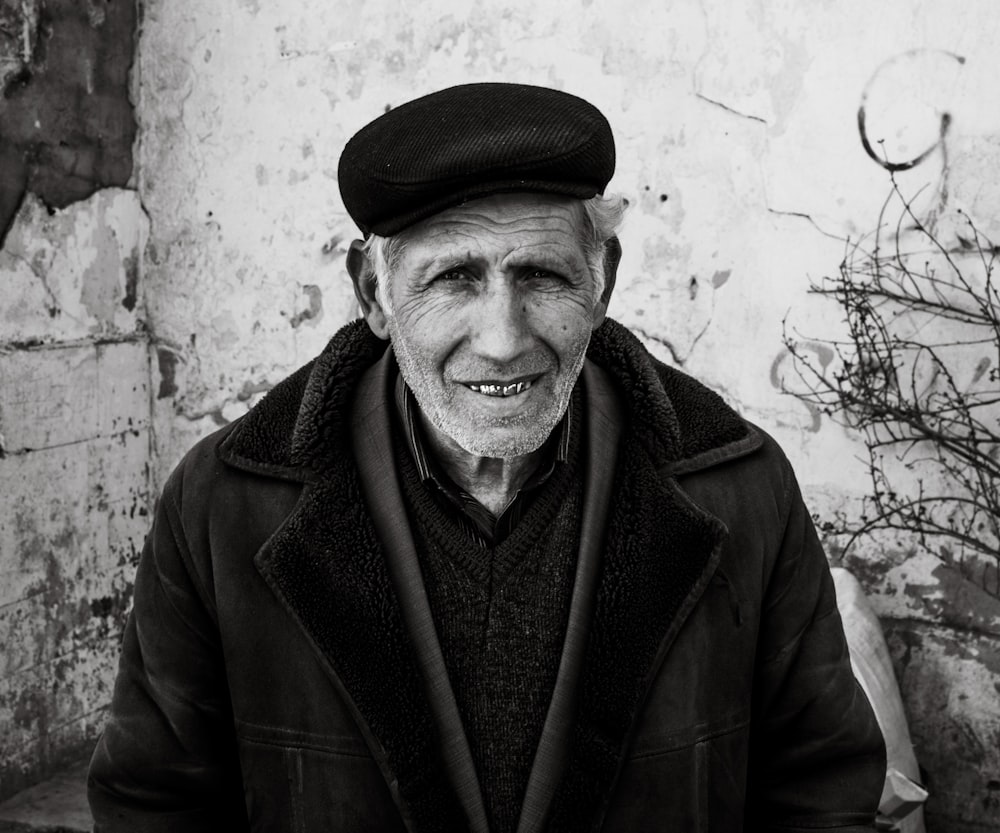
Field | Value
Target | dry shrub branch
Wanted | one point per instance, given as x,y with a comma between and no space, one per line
918,375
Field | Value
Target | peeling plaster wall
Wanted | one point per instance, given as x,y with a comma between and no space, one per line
739,153
66,122
74,472
74,452
74,375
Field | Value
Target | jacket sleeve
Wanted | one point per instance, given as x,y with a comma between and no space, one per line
817,754
167,759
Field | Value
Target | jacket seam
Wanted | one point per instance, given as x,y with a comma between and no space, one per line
794,642
788,477
177,533
786,511
854,821
666,750
312,747
271,734
786,495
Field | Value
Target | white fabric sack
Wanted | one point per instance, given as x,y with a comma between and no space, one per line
873,669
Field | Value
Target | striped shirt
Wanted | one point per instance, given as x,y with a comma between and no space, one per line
481,525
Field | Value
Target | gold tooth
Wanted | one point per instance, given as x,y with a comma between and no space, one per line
502,390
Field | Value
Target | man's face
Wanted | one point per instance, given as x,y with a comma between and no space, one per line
490,310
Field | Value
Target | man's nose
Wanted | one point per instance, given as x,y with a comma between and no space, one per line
500,327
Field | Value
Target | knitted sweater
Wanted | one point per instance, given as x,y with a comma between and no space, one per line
500,614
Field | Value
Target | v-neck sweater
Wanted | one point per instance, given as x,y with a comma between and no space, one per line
500,614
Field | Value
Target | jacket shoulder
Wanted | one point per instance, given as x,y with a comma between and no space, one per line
711,431
261,440
206,500
682,423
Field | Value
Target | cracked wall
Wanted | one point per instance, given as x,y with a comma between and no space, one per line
74,375
739,154
74,472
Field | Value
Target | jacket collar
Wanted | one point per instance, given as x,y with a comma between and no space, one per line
301,425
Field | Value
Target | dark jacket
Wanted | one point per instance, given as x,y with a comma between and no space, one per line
280,670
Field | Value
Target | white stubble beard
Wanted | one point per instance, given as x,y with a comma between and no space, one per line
475,435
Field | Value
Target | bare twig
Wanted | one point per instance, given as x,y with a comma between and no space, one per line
919,316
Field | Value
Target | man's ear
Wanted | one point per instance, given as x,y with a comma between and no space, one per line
365,289
612,257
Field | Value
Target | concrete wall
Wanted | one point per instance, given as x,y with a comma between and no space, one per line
739,154
74,472
74,375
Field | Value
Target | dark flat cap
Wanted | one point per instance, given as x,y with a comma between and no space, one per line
471,141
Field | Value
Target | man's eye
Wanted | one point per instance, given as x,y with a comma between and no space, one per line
452,275
543,275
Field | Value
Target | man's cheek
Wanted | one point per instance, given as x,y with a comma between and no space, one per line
429,318
563,311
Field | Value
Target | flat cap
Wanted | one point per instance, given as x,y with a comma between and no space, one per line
471,141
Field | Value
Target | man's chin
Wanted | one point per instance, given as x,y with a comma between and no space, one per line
501,443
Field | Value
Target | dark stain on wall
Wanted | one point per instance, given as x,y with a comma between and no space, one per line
315,310
167,362
66,121
131,283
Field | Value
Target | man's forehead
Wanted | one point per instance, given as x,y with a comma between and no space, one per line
505,222
468,142
504,214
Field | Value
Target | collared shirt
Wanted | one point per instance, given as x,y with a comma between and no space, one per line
481,525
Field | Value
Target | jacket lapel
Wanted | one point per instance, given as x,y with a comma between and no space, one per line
370,431
660,555
647,554
603,427
327,566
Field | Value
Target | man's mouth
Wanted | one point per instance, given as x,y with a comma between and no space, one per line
501,390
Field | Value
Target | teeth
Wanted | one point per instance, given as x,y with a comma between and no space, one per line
501,390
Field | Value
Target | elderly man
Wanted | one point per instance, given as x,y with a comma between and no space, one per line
485,564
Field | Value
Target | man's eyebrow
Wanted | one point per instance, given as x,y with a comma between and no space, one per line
542,256
439,261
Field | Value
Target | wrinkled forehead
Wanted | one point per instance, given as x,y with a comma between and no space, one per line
502,225
508,213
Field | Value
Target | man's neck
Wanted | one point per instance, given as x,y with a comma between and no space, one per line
493,481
